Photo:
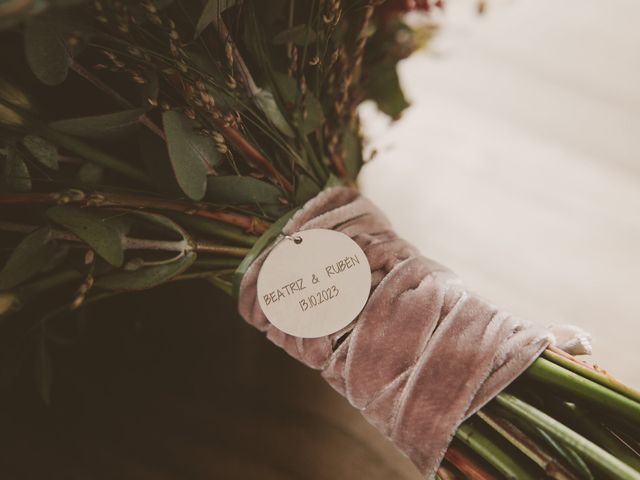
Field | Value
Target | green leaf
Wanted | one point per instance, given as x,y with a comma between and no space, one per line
153,153
146,277
333,181
112,126
384,88
298,34
351,153
234,190
28,258
162,221
90,174
305,190
43,150
100,230
267,103
568,455
46,50
190,154
288,89
16,174
265,239
212,10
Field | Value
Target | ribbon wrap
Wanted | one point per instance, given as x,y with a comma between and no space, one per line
424,354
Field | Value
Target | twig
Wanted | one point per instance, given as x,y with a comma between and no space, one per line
225,36
598,375
203,246
110,199
231,133
551,466
123,102
130,243
250,151
492,452
610,465
464,463
444,473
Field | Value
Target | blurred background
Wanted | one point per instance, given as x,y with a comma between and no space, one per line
518,165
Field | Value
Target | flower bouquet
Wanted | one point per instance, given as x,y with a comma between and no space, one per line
154,142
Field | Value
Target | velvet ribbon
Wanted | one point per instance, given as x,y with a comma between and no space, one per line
425,353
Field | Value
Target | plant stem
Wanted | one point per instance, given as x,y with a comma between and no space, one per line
565,380
235,137
112,199
603,459
223,285
130,243
95,155
120,100
602,436
444,473
216,263
491,452
471,469
567,361
215,229
202,246
528,446
46,283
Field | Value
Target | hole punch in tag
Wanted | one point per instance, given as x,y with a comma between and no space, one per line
314,283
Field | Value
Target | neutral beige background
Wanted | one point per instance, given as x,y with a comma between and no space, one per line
519,164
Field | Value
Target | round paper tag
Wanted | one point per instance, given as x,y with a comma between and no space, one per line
314,283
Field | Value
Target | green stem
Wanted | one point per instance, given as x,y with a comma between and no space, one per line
551,374
216,263
202,246
45,284
215,229
602,436
95,155
491,452
586,371
613,467
223,285
528,446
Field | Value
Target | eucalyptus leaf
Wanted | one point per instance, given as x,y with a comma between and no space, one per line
190,154
111,126
90,174
265,239
162,221
212,10
384,88
103,232
267,103
146,277
333,181
351,153
154,156
288,89
235,189
43,150
298,34
46,50
15,172
29,257
305,190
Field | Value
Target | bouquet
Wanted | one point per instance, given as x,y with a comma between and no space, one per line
154,142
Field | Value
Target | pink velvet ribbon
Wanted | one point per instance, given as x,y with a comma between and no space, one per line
424,354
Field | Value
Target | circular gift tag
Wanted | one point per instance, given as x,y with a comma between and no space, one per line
314,283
